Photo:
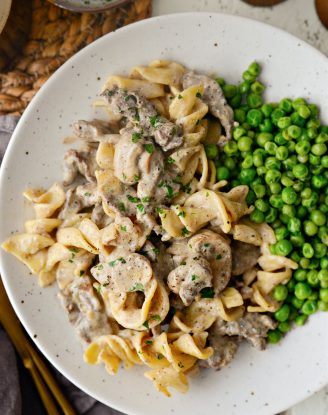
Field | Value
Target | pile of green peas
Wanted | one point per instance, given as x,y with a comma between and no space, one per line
280,151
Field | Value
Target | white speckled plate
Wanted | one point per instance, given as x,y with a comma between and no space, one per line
256,382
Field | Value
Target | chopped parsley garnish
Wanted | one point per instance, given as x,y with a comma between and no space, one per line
112,263
74,250
99,287
198,94
155,120
177,179
110,93
81,273
146,199
71,261
207,245
137,287
133,199
194,277
218,257
156,251
136,115
207,194
100,267
141,207
183,263
170,160
156,317
121,207
160,356
123,228
173,131
124,176
207,292
148,342
159,210
136,137
180,96
198,121
145,324
149,148
185,231
170,192
160,184
136,178
88,194
181,213
186,188
180,365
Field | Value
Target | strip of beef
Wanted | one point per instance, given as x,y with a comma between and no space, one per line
244,257
140,112
224,348
78,162
213,96
253,327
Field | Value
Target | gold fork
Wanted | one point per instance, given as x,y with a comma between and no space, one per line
44,381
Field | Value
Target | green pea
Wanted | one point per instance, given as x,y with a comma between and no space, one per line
261,171
313,278
286,105
300,320
309,307
229,90
310,228
247,162
318,217
291,285
284,218
295,256
323,275
323,234
280,293
304,111
211,151
304,263
274,336
294,131
262,138
314,160
321,138
297,119
276,115
307,250
271,215
314,263
250,134
222,173
323,207
275,188
257,87
311,201
289,210
282,153
323,294
266,126
257,216
302,290
283,122
297,303
230,148
314,110
272,163
267,110
254,100
239,115
238,132
250,198
247,175
254,69
229,163
313,123
322,306
283,313
283,247
303,159
220,81
319,181
300,274
297,239
302,148
312,132
290,162
259,190
281,233
270,147
320,250
294,225
289,195
300,171
297,103
323,263
245,143
272,176
298,186
280,140
286,181
319,149
324,162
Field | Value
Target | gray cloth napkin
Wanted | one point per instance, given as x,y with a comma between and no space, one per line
10,388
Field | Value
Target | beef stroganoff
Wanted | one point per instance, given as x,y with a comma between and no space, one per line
156,263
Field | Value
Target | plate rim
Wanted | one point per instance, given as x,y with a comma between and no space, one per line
7,156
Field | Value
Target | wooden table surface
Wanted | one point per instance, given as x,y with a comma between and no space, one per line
299,18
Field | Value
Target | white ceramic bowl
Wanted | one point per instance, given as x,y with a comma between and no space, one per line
256,382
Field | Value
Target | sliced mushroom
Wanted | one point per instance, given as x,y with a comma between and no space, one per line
213,96
189,279
253,327
141,112
244,257
93,131
216,250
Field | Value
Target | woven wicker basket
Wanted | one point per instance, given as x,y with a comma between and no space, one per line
55,35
